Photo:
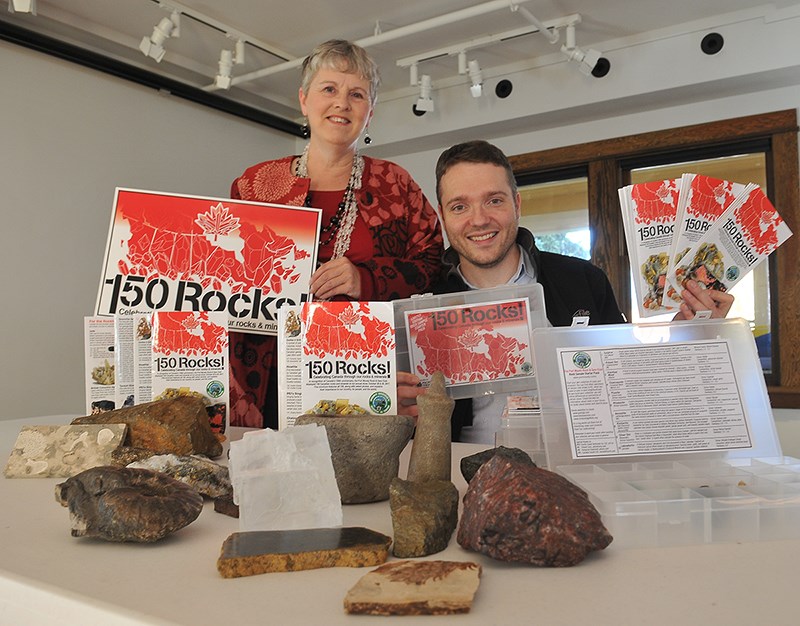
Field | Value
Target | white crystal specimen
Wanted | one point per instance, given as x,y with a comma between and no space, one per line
284,480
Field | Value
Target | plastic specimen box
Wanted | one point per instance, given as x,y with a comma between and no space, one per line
677,498
534,296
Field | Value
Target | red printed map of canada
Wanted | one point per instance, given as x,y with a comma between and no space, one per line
189,333
346,330
760,221
655,201
472,355
181,246
709,197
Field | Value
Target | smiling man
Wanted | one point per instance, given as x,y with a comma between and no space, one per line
480,208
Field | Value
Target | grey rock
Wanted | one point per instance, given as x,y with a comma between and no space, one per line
430,455
210,479
424,516
365,451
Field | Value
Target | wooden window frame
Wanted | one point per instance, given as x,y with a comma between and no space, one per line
604,164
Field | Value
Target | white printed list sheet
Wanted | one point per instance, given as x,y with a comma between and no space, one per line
652,399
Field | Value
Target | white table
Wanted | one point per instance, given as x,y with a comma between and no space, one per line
49,577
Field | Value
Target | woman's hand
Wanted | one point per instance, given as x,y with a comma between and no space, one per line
408,389
335,278
695,298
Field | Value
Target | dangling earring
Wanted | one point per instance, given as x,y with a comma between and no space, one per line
367,138
305,130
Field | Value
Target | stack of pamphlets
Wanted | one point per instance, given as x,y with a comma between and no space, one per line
695,228
163,354
336,359
189,357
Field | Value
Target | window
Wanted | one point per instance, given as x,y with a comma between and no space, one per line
557,214
608,165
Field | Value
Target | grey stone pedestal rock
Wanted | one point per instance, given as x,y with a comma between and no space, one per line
365,451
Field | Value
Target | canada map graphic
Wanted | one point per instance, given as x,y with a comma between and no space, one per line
760,222
655,201
207,244
189,333
709,197
466,354
346,330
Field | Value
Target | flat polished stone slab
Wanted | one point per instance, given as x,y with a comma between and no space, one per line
264,551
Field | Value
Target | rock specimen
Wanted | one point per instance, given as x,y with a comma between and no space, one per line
430,455
415,588
226,506
365,451
470,464
284,480
125,455
175,426
514,511
62,451
208,478
260,552
424,516
120,504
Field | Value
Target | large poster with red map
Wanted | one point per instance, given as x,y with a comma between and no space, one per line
190,253
471,343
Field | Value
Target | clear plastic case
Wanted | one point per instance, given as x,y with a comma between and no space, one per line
678,498
536,318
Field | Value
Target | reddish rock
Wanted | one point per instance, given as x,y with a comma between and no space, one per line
175,426
514,511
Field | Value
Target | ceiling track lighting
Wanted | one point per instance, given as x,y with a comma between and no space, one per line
227,58
543,29
223,77
589,61
424,103
153,46
475,74
476,78
22,6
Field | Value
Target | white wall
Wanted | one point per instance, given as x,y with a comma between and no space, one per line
68,137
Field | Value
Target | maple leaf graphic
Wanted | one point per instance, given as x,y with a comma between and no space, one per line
470,338
348,317
217,221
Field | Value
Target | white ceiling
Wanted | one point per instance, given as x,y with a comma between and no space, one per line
115,28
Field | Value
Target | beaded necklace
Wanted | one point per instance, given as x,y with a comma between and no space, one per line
343,221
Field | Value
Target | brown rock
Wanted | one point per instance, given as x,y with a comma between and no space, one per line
263,551
514,511
175,426
226,506
415,588
424,516
124,455
121,504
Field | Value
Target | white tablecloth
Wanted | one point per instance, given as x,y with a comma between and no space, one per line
49,577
